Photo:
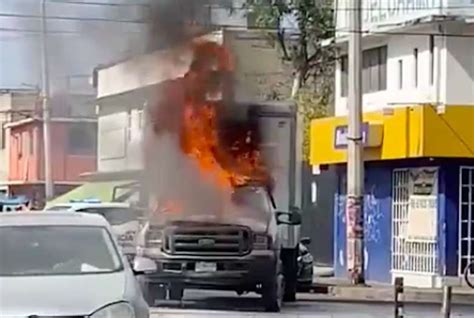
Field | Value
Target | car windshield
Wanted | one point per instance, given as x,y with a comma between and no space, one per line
56,250
253,197
115,216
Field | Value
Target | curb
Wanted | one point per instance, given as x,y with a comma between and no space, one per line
383,295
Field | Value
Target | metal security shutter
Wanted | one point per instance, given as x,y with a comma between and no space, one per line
408,255
466,217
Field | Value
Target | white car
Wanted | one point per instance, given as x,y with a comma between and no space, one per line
122,217
65,265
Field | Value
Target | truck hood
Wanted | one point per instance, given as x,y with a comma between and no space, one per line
257,220
255,224
59,296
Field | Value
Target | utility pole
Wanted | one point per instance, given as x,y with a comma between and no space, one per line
355,144
48,176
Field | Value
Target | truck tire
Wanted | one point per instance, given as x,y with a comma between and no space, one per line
176,292
272,293
289,259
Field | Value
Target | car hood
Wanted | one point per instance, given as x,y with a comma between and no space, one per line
59,295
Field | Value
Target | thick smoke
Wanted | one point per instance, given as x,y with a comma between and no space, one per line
171,175
176,21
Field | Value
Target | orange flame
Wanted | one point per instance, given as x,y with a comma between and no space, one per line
227,163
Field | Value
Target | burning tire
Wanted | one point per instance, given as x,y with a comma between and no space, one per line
272,293
290,269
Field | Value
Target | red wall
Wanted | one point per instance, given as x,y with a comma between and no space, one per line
27,165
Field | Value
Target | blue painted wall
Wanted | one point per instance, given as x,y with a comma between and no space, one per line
377,207
377,212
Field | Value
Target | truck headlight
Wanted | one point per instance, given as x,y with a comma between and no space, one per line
261,242
154,238
122,310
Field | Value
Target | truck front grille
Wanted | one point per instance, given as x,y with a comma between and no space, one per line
207,240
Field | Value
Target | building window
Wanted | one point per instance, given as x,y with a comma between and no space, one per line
431,45
400,74
82,138
31,142
2,137
344,75
374,73
415,67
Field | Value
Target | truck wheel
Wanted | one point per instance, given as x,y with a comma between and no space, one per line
176,292
290,269
272,293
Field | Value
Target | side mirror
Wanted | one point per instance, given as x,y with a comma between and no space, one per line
143,265
305,241
289,218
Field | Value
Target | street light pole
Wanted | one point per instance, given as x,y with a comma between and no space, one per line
355,164
48,176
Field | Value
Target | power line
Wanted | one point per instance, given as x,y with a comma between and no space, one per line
86,19
35,31
243,27
339,8
270,30
90,3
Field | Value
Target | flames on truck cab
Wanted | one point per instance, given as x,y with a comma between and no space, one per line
225,152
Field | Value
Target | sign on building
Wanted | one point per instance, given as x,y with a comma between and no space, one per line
423,205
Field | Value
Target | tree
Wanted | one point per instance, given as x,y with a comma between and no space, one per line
300,28
303,47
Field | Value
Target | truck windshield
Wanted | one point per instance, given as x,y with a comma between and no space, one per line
56,250
253,197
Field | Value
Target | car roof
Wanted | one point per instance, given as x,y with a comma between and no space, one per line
46,218
82,205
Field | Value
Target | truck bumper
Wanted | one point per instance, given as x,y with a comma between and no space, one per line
242,272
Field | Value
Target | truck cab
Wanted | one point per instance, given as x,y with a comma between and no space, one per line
237,249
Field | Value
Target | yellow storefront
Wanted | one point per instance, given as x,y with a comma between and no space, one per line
419,190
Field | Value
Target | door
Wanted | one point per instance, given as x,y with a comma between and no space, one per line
414,246
466,218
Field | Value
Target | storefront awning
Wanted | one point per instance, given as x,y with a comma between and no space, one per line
101,191
398,133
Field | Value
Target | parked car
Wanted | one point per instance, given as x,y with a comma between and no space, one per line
64,265
123,218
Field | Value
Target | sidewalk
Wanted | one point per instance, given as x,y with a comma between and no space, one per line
338,289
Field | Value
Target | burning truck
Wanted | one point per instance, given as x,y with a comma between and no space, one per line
221,182
222,187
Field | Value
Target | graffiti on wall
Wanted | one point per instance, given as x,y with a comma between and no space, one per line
372,214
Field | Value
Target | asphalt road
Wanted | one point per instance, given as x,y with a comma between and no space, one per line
202,304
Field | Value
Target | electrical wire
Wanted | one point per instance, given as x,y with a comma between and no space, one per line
343,8
92,3
271,30
85,19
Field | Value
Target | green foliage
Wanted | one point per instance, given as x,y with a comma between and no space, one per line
304,49
311,60
310,106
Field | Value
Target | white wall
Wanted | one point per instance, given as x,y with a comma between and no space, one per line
459,85
119,141
454,71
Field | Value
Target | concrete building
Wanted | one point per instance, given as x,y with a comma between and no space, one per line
418,103
15,104
74,153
